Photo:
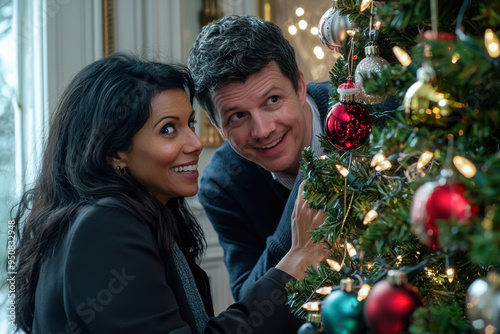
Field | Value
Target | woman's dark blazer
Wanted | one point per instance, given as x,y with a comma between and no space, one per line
107,276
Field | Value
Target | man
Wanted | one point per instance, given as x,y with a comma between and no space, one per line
248,82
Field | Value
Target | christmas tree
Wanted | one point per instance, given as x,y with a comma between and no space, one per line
411,176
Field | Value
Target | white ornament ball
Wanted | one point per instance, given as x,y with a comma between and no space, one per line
372,63
332,28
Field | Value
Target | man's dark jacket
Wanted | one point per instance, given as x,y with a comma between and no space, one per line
250,211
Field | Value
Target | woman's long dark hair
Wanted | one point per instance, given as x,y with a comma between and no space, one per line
98,114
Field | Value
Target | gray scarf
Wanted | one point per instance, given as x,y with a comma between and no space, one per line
189,284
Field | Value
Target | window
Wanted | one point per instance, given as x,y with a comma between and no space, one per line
8,109
23,113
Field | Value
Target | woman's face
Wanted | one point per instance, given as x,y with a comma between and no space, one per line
164,152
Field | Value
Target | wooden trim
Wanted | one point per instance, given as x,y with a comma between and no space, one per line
108,25
265,12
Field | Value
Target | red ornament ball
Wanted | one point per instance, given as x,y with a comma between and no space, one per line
348,125
435,201
388,307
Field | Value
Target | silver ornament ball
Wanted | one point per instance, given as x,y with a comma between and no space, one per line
373,64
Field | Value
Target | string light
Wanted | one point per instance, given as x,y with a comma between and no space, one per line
455,58
365,4
364,291
384,165
370,216
299,11
342,170
450,273
325,290
403,57
424,159
318,51
351,250
377,159
334,264
303,24
311,306
351,32
492,43
292,30
464,166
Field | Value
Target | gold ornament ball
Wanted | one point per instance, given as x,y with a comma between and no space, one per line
426,106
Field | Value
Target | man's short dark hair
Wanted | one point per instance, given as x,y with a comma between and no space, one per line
234,47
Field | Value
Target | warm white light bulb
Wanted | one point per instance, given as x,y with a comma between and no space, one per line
365,4
351,32
314,30
384,165
370,216
364,291
464,166
292,30
299,11
402,55
311,306
424,159
334,264
377,158
324,290
351,250
303,24
492,43
342,170
318,51
450,273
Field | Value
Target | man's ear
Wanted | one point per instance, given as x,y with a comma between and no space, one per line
302,88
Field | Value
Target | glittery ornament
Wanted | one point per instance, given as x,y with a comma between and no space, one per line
348,124
341,312
483,303
440,200
332,28
390,304
424,105
371,64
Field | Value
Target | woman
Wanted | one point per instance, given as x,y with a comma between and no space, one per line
107,244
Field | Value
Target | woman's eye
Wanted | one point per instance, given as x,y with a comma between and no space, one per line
192,123
168,129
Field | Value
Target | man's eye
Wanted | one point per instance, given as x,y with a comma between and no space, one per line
273,99
236,116
168,129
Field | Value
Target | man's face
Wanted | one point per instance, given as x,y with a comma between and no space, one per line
265,120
